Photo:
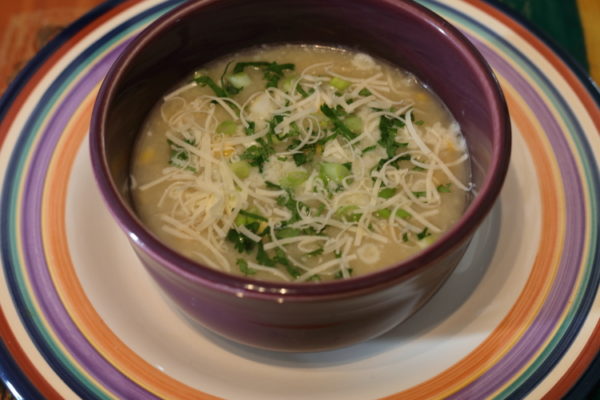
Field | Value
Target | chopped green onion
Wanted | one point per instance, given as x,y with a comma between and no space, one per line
354,123
227,127
239,80
339,83
364,92
402,213
284,233
241,169
293,179
347,213
288,82
335,172
384,213
387,193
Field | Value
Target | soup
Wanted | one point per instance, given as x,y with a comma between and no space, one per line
300,163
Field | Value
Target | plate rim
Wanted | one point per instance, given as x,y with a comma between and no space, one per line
14,377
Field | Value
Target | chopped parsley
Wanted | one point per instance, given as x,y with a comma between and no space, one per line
179,156
244,268
257,155
389,129
423,234
339,127
272,71
445,188
205,80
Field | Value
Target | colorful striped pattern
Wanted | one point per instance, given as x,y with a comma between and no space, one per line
541,346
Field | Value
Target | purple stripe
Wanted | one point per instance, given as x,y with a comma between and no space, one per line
43,287
550,313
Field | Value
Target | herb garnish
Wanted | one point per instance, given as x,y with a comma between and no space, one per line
244,268
179,156
339,126
272,71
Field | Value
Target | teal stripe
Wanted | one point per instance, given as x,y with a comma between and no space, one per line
588,265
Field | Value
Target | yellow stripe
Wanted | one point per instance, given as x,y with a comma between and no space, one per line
589,11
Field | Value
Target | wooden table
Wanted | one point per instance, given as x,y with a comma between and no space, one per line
26,25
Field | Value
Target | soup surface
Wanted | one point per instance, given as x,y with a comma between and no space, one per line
300,163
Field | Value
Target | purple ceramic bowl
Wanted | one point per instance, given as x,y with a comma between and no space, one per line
288,316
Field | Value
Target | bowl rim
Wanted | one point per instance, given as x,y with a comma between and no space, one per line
222,281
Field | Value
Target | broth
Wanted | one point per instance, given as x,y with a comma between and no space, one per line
300,163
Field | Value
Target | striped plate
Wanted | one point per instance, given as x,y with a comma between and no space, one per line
80,317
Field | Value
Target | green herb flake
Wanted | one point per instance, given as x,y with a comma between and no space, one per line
339,83
445,188
368,149
402,213
179,156
339,126
283,233
315,253
262,257
272,71
423,234
257,156
340,274
244,268
387,193
251,128
240,242
281,258
384,213
388,128
205,80
252,216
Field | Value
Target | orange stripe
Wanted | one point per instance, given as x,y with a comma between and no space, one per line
535,290
67,284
